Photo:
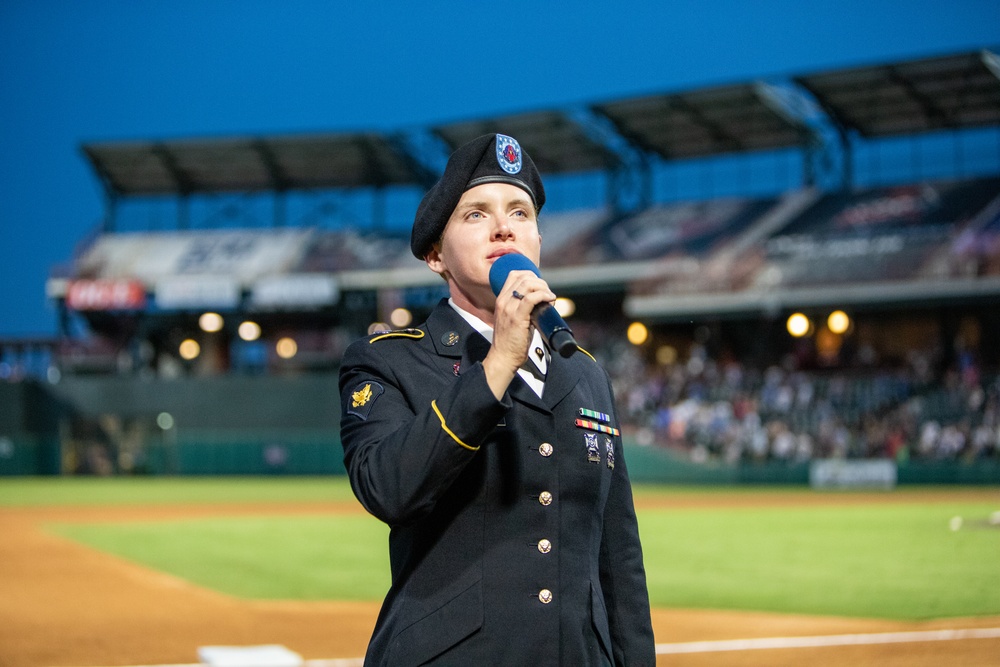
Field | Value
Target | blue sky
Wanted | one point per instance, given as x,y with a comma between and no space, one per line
79,72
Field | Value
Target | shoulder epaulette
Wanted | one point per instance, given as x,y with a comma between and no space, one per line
416,334
587,353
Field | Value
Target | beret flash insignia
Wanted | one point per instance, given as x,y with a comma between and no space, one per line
508,154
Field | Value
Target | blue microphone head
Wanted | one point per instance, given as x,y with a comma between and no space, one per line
507,263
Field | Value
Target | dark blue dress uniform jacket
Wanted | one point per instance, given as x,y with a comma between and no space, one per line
509,543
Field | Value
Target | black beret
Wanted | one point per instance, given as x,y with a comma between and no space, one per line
491,158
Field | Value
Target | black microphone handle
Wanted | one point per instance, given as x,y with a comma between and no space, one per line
553,328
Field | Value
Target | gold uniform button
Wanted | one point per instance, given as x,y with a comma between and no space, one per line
545,449
545,498
544,546
545,596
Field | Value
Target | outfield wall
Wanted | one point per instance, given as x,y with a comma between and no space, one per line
281,425
656,465
29,435
191,426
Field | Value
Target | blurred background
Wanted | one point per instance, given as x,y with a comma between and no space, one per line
777,227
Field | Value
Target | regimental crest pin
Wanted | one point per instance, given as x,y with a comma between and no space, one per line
593,449
609,448
508,154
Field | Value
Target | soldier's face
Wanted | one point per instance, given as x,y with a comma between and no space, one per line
489,221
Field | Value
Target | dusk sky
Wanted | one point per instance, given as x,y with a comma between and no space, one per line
81,72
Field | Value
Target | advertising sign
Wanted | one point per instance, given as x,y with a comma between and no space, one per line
197,292
106,295
291,291
839,473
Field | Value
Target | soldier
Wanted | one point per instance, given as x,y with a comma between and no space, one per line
496,464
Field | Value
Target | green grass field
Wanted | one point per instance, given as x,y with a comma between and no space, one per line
882,559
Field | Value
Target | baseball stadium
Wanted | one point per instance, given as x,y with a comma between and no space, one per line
792,284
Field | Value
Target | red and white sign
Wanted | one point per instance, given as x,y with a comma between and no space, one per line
106,295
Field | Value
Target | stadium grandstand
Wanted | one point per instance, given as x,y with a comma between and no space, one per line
773,272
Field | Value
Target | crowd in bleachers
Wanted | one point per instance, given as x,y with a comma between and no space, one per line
727,411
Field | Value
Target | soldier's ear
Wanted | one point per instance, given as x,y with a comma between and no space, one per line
434,259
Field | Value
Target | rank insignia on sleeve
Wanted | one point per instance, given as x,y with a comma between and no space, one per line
363,397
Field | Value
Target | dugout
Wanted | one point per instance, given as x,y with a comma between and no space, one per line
106,425
29,435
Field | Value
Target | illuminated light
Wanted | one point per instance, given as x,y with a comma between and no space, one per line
637,333
286,348
400,317
249,330
828,345
376,327
798,325
165,421
189,349
565,307
666,355
838,322
210,322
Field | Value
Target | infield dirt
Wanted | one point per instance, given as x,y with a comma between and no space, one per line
65,605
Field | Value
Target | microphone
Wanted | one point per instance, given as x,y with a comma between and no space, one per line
545,318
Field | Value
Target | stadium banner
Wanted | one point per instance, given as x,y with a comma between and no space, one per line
845,474
106,295
292,291
197,292
245,255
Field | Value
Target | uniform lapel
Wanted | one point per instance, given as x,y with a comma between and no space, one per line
522,393
454,338
563,375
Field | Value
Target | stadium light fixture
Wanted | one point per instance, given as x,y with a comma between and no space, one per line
565,307
637,333
286,348
838,322
210,322
798,325
666,355
249,331
189,349
401,317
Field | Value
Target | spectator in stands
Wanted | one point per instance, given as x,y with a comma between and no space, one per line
734,413
513,534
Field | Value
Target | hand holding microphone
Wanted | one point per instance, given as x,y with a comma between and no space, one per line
546,319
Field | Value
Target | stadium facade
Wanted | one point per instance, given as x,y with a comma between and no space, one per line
709,216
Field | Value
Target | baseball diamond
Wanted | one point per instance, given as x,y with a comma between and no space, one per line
68,604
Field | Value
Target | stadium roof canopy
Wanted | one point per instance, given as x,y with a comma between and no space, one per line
960,91
702,123
252,164
556,143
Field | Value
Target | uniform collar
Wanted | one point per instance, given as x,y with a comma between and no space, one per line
474,322
537,364
445,325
